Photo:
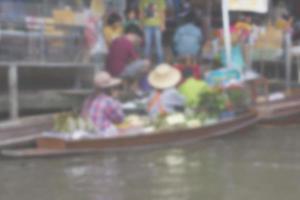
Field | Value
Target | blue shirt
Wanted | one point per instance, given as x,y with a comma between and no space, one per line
170,99
187,40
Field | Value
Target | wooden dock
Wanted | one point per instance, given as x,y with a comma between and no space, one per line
13,100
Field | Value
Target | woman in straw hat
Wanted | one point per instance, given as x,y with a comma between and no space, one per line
102,107
165,99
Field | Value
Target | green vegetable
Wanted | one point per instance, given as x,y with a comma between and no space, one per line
69,123
212,102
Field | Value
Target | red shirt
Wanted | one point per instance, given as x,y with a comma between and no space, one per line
195,69
121,53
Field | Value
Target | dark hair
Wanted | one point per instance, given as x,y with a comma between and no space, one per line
113,18
187,73
134,29
191,18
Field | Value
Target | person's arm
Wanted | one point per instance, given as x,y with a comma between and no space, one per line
174,98
132,53
85,107
163,15
107,35
141,10
177,35
95,113
114,111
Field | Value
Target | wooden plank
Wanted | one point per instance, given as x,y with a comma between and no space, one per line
48,65
13,91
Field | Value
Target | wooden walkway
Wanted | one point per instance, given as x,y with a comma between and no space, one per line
13,79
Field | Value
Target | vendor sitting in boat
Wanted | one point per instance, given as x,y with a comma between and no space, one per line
102,107
191,89
165,99
187,65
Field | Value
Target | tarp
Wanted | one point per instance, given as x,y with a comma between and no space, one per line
259,6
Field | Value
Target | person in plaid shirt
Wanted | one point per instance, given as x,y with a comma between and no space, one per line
102,107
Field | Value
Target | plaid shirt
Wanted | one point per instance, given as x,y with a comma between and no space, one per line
103,111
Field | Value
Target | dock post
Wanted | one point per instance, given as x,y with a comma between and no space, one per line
288,62
13,91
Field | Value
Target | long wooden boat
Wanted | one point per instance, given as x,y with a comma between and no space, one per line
49,147
280,112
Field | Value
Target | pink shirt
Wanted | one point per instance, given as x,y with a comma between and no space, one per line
103,111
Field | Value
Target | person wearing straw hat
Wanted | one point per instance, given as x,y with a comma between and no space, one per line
102,107
165,99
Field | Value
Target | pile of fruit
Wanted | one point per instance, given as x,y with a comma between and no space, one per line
70,123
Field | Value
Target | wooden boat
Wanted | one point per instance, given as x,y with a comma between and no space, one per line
280,112
24,131
276,112
49,147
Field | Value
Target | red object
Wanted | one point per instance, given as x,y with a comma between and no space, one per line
121,53
196,70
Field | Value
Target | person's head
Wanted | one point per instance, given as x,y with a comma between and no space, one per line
190,18
188,62
114,20
134,34
105,83
131,14
114,92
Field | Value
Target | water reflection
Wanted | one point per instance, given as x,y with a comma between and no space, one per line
263,164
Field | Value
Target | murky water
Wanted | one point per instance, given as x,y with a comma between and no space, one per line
263,164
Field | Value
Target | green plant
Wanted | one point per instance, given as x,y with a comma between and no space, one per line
212,102
238,98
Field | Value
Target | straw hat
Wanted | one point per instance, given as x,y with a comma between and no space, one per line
104,80
164,76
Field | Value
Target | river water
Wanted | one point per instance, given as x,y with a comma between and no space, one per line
262,164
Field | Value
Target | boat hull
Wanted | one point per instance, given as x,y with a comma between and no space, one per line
280,112
47,147
24,131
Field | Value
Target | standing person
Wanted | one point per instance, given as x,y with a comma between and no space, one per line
166,98
116,6
123,59
153,18
113,28
131,18
103,108
188,38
